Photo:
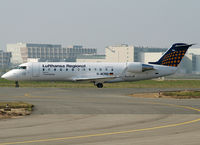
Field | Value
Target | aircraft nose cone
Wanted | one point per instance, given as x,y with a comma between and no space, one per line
5,76
9,76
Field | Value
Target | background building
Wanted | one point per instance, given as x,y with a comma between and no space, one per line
143,54
91,58
126,53
120,53
24,52
77,51
196,64
4,59
195,59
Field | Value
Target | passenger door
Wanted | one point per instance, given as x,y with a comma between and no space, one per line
35,69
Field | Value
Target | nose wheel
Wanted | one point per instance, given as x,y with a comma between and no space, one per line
16,84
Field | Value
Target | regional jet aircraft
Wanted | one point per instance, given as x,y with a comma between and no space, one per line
99,73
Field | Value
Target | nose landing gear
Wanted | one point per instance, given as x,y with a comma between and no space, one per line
16,84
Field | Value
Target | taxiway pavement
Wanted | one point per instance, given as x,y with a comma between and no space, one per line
100,116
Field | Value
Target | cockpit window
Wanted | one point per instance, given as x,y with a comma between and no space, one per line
20,67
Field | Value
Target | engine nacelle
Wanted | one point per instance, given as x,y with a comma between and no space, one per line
135,67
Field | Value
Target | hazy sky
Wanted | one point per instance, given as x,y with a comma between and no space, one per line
99,23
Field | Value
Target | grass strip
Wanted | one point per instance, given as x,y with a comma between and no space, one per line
183,94
137,84
16,105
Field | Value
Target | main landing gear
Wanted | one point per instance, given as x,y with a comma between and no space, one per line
16,84
99,85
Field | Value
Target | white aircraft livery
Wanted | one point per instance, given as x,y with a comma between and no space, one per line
99,73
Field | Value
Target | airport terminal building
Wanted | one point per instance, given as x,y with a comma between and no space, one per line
26,52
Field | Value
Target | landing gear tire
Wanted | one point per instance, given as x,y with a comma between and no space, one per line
99,85
16,84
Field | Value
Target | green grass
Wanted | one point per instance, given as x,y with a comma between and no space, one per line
16,105
138,84
183,94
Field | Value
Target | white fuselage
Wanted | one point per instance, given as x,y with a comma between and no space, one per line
66,71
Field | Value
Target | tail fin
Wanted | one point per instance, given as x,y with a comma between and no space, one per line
174,55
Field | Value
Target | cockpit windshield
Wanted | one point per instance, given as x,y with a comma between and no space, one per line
20,67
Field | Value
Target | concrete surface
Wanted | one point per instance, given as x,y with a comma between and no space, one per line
98,117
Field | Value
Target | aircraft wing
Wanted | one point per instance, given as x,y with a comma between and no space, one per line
94,78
